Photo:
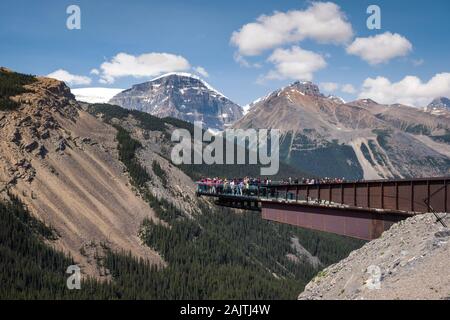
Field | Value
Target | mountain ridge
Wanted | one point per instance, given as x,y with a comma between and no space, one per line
64,166
368,140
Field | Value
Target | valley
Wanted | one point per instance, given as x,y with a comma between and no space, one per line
93,184
129,217
195,157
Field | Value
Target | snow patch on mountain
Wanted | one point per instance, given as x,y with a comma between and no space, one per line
193,76
95,95
439,106
336,99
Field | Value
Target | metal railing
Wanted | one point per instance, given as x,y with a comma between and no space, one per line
413,196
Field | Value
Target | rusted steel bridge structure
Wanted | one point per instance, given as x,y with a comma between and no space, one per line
362,209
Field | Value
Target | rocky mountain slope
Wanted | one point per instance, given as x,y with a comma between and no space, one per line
101,177
183,96
153,136
439,106
63,165
409,261
220,247
360,139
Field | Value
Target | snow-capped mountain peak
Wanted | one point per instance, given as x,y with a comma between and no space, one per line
247,107
336,99
181,95
193,76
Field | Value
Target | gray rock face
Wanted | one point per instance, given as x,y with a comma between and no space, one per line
441,103
336,99
181,96
307,88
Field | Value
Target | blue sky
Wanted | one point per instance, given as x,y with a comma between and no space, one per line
34,39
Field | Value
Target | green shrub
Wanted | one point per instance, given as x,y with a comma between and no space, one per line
159,172
12,84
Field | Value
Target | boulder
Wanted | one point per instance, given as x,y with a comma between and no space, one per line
30,146
61,145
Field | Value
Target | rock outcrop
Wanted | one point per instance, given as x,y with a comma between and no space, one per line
409,261
439,104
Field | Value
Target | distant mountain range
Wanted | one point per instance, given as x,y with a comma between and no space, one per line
360,139
322,135
183,96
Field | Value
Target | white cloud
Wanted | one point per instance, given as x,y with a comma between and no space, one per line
322,21
418,62
68,78
95,95
105,81
95,72
243,62
410,90
348,88
201,71
333,86
329,86
380,48
144,65
295,63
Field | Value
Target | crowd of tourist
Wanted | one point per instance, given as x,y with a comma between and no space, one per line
236,186
312,180
249,185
